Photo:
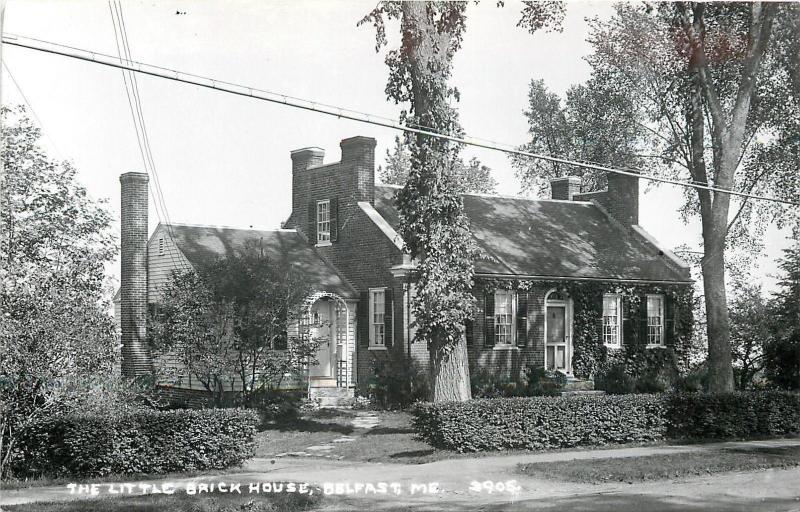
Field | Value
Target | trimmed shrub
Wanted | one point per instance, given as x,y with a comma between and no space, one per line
397,382
541,422
535,381
277,405
568,421
140,442
741,414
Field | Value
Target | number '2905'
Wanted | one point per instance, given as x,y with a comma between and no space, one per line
490,487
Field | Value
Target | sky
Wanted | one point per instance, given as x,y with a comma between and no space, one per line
223,159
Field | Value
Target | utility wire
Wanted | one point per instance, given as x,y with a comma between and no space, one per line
137,115
246,91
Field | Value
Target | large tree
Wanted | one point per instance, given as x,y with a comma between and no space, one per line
228,324
472,176
714,94
432,219
55,326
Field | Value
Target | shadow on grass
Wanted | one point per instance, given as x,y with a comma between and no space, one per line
411,454
304,425
389,430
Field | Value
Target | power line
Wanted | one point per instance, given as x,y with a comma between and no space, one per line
137,115
343,113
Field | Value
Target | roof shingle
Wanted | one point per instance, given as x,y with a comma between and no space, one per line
548,238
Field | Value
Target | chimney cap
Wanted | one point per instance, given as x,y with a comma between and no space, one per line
312,151
570,179
358,140
134,176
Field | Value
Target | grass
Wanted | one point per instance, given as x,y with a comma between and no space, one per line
181,502
46,481
665,467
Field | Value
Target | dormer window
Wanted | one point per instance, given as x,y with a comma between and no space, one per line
323,221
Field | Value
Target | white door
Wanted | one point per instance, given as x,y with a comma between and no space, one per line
322,330
557,350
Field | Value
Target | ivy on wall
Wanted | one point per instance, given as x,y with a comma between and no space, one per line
589,355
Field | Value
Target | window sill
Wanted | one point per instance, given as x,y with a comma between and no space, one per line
658,345
505,347
323,244
612,347
377,347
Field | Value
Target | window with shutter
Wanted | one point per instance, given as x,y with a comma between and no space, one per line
377,318
504,317
488,318
655,321
323,221
522,319
612,320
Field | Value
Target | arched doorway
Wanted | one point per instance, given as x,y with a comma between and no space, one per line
329,321
558,332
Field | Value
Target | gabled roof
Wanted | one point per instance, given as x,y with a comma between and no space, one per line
550,238
204,244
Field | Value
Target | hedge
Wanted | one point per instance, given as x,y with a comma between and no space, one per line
141,442
569,421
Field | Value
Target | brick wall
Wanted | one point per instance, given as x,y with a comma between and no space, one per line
133,274
361,252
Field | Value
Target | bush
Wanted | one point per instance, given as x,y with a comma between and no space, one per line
615,381
541,422
741,414
139,442
276,405
536,381
563,422
397,382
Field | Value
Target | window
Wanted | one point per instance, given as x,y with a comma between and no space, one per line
612,320
655,320
161,246
323,221
377,310
503,317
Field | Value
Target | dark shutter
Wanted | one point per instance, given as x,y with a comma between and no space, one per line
643,320
468,331
670,314
488,318
388,317
629,322
312,222
362,319
522,319
334,216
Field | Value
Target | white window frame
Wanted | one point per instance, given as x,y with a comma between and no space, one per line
324,221
377,342
656,338
511,335
608,339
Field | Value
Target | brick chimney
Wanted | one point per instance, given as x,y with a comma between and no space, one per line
133,276
358,158
565,188
303,159
623,198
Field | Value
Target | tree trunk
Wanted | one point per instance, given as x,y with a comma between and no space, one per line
720,370
450,372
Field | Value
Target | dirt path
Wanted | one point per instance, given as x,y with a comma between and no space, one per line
457,482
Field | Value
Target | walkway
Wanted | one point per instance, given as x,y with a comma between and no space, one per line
762,490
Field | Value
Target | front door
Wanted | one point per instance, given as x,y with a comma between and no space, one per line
322,329
557,354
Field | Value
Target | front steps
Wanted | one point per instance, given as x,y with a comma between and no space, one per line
580,387
331,396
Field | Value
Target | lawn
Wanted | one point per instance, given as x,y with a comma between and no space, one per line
664,467
181,502
391,440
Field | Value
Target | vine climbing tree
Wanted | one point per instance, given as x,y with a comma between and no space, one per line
433,223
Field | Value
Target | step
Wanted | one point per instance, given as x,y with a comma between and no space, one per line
314,392
574,384
586,392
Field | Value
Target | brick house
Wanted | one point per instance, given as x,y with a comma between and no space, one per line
570,283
